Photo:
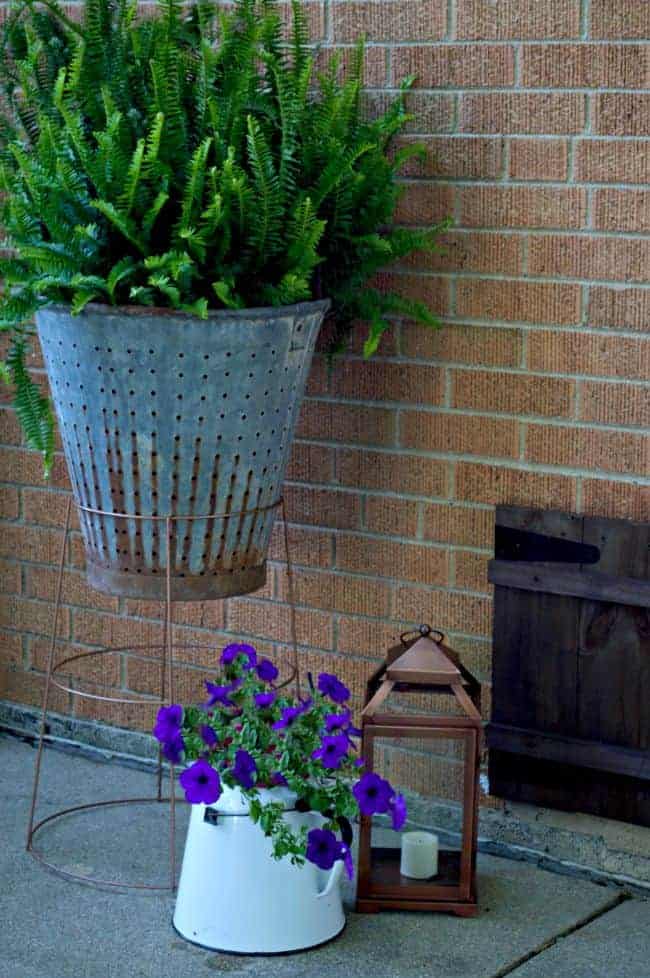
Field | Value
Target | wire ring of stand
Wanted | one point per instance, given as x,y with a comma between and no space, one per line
166,695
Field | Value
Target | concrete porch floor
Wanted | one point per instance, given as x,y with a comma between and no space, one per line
532,924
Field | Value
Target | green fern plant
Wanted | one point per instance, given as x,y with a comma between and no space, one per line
189,160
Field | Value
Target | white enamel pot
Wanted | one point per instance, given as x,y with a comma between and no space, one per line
234,896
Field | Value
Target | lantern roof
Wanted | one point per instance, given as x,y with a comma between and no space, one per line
425,664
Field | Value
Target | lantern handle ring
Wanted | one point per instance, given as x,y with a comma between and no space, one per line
425,631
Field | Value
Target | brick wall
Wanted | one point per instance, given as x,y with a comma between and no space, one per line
537,113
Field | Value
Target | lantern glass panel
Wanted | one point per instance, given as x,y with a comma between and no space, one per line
431,771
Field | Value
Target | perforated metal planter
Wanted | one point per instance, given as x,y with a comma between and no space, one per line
166,415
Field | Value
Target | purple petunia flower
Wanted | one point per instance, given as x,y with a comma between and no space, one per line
332,687
397,807
348,862
373,794
279,780
264,700
323,848
341,723
289,716
266,670
231,652
332,751
208,736
201,783
221,694
173,749
305,705
168,723
244,769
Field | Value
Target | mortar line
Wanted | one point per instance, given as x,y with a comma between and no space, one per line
562,935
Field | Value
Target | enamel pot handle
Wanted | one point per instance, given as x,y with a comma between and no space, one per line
333,879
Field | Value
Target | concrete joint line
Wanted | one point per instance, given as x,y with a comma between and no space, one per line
567,932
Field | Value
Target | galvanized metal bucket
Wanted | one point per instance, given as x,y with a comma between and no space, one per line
176,427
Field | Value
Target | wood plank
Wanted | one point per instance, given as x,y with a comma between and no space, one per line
570,750
614,643
567,579
535,640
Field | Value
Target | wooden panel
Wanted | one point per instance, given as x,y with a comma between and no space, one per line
571,708
535,638
567,580
614,644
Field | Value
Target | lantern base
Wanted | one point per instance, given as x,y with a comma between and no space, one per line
469,909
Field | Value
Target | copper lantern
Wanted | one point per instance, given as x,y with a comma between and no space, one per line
423,665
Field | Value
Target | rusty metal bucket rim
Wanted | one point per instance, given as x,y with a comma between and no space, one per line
214,315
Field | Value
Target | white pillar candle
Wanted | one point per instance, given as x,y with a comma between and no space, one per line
419,855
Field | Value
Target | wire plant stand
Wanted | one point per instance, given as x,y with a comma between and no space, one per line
55,677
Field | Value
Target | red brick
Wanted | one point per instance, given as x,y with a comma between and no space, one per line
315,13
512,393
460,525
590,257
585,66
408,20
26,468
200,614
346,422
386,558
526,20
40,582
518,301
360,636
272,621
539,159
310,463
608,403
612,161
134,715
9,503
431,290
27,688
392,473
513,486
103,669
312,548
318,379
94,628
459,434
471,571
323,507
428,113
592,354
30,543
11,648
523,207
621,114
10,430
447,610
473,251
422,204
589,448
613,19
374,380
462,157
340,592
47,508
522,112
621,210
375,64
487,345
36,617
10,582
619,307
617,500
385,514
456,65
